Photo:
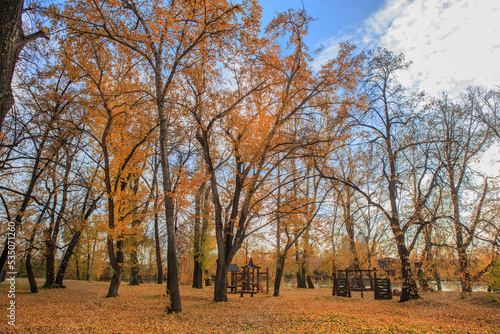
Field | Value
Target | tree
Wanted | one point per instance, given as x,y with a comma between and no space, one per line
391,125
461,137
118,122
54,227
201,220
12,41
88,207
298,203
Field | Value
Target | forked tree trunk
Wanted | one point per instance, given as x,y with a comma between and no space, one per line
53,234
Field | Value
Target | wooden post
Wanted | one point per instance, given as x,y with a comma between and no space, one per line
258,281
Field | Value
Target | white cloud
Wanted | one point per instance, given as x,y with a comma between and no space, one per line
452,43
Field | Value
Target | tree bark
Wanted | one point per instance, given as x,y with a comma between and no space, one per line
135,278
53,234
116,262
29,268
159,261
220,291
409,290
280,266
300,274
200,234
173,289
197,249
75,239
310,283
66,258
12,41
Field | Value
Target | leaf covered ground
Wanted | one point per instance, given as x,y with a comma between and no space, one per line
82,308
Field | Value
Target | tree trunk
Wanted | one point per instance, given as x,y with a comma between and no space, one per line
220,291
301,278
29,268
197,274
409,290
12,41
422,276
77,267
115,283
134,268
173,289
280,266
87,277
92,261
65,261
50,250
159,262
426,263
197,249
116,261
463,267
53,234
310,283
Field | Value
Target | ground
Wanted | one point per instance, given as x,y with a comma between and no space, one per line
82,308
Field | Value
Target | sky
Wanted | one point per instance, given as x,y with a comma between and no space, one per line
452,43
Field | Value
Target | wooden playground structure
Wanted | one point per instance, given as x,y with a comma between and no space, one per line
248,280
353,280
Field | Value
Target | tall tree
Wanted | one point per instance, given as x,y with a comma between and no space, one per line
294,214
200,236
462,137
120,126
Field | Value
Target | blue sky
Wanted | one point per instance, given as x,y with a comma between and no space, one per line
452,43
333,17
